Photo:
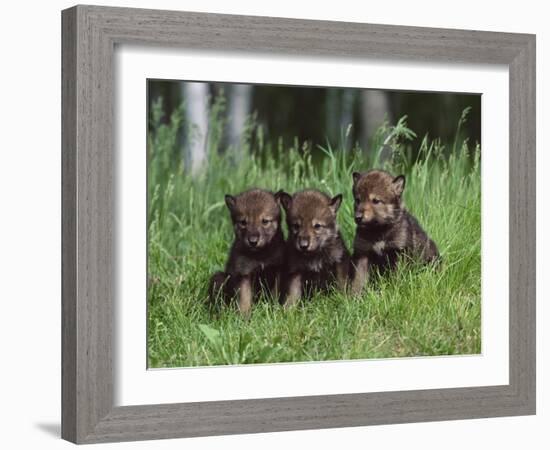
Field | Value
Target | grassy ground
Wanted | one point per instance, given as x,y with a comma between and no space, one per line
416,311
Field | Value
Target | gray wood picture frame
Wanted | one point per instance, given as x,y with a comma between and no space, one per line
90,34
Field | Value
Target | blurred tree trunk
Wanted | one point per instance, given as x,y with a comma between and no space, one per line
331,115
375,108
347,103
195,96
240,101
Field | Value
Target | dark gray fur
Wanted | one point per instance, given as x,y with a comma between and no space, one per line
385,229
250,267
316,255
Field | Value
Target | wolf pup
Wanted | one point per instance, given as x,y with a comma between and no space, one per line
385,229
315,251
257,255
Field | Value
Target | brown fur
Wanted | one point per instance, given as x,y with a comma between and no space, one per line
257,255
316,255
385,229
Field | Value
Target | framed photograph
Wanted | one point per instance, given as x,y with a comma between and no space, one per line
278,224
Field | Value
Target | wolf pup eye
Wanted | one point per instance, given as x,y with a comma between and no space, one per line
265,221
317,226
242,223
376,201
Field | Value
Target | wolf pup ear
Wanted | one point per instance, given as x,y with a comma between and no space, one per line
231,202
356,176
398,184
335,203
284,199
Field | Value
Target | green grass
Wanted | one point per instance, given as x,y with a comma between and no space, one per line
415,311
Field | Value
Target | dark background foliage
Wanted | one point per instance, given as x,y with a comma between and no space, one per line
318,115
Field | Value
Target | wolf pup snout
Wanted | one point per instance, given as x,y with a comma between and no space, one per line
303,243
257,254
316,254
385,229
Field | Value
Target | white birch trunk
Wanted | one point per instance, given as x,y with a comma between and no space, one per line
239,109
196,111
346,115
375,108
